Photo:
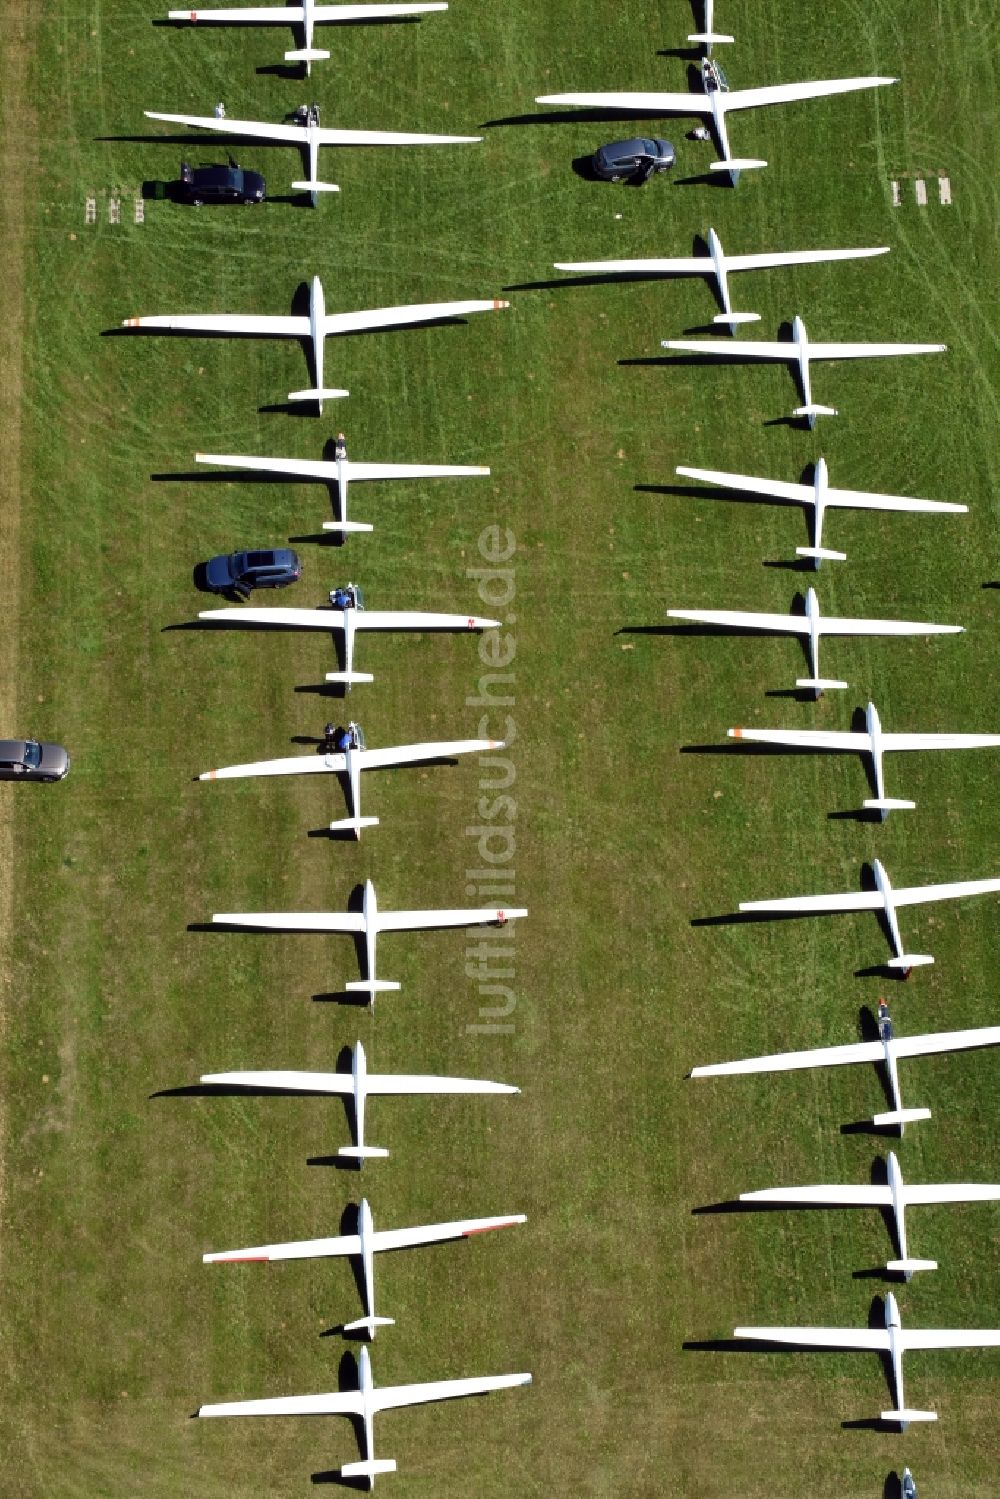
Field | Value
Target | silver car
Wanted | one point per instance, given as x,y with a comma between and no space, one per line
32,760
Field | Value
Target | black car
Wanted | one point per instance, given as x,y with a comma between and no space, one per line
230,184
242,572
635,159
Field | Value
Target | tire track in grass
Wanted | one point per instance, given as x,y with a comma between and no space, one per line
18,125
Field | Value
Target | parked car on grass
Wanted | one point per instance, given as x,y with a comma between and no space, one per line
242,572
32,760
228,184
636,160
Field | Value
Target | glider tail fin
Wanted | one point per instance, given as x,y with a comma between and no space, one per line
368,1324
908,960
886,804
368,1469
353,825
904,1416
813,410
819,684
736,164
910,1267
314,186
319,396
900,1117
349,678
371,987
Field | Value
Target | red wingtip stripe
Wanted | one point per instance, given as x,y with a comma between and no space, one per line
245,1259
470,1232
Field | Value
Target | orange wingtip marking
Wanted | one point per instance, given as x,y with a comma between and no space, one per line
470,1232
245,1259
132,322
498,303
737,733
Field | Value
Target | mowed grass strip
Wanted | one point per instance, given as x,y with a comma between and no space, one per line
114,1331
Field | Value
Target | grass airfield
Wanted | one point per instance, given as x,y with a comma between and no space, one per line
113,1330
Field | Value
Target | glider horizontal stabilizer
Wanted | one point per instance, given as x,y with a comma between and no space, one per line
904,1417
821,684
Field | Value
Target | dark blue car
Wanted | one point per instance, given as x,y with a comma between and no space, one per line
220,184
633,160
242,572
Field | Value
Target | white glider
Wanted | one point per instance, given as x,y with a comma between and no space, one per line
364,1245
886,1050
883,899
315,327
873,743
350,618
342,471
709,36
895,1196
891,1340
715,103
364,1404
820,496
800,352
812,625
358,1085
350,763
307,15
308,138
717,266
368,922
